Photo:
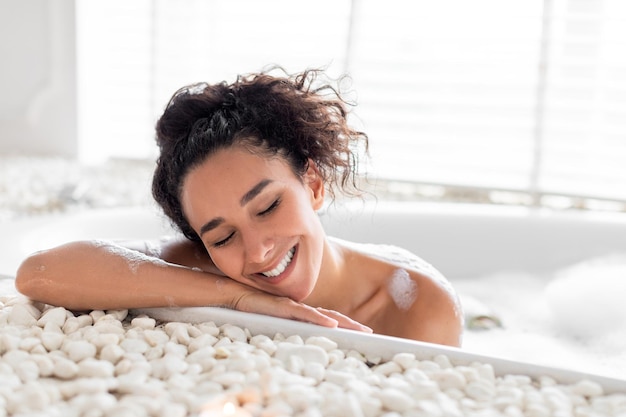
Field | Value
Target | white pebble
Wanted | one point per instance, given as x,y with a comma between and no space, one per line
86,404
300,397
9,342
155,352
208,328
308,353
388,368
109,326
587,388
395,400
155,337
180,335
96,315
119,315
201,341
431,408
242,365
228,379
449,378
53,328
371,406
134,345
424,389
264,343
481,390
93,368
23,315
132,382
36,398
405,360
112,353
77,386
167,366
64,368
509,396
314,370
71,325
44,363
143,322
77,350
175,349
323,342
14,357
205,357
29,343
56,316
101,340
27,370
234,333
428,366
172,410
340,378
485,370
443,361
537,410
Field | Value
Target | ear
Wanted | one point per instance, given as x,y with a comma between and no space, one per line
313,180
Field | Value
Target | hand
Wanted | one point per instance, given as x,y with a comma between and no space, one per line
255,301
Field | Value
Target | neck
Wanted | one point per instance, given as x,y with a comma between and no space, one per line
329,289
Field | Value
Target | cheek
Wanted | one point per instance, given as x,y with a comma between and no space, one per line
226,260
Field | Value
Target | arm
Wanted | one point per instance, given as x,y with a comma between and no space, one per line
89,275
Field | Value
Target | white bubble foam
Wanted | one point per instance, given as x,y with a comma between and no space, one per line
587,299
402,289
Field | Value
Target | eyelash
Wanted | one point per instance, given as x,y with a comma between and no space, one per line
271,208
265,212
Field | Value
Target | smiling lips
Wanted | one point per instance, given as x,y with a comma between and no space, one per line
284,263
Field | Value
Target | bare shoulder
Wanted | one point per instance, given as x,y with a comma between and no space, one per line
420,303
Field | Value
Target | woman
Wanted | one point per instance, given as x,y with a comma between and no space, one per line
243,170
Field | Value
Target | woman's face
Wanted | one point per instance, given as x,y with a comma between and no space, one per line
258,220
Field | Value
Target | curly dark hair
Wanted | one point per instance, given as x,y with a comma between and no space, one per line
272,115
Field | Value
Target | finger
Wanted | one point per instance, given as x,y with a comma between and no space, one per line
345,321
284,307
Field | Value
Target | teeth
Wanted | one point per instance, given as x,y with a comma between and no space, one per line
282,265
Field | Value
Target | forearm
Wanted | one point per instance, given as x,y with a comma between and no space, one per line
99,275
104,276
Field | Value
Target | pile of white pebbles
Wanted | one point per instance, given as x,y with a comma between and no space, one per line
111,363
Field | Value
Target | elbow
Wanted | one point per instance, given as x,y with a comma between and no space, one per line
32,276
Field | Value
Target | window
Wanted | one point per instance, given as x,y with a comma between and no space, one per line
525,96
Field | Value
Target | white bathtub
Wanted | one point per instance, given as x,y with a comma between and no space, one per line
462,241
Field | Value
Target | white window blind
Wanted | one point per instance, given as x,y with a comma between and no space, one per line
496,94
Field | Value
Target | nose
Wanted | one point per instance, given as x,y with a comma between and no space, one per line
258,246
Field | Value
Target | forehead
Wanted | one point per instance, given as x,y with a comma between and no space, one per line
237,163
225,176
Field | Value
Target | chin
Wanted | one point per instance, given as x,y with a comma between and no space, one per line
299,294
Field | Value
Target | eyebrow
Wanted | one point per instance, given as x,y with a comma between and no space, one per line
247,197
210,225
254,191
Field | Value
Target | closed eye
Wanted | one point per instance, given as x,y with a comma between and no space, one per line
271,208
223,242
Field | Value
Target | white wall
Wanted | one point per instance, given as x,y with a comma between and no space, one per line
38,77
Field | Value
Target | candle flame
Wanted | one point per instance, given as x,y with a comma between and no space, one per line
229,409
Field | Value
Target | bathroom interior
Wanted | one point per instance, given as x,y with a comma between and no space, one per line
497,133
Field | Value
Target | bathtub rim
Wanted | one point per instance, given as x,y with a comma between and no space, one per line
378,345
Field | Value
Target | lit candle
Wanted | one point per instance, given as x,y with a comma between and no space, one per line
224,408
